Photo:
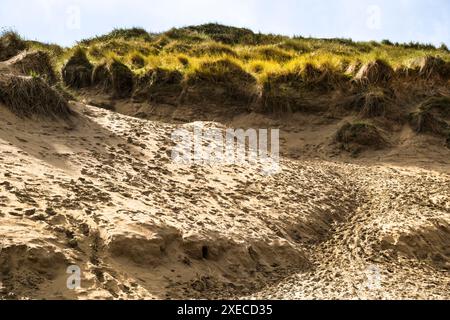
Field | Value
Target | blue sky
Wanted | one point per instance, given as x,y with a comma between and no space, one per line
65,21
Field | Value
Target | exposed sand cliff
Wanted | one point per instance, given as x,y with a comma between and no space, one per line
102,193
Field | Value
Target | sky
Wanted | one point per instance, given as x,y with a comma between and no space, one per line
67,21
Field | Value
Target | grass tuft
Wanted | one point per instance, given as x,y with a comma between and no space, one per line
28,96
76,73
358,136
10,44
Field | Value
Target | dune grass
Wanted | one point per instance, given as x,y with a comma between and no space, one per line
261,55
28,96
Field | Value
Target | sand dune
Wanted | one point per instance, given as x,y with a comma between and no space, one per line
101,192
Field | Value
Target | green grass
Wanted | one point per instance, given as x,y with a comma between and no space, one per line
261,55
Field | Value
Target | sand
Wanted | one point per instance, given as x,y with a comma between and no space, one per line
102,194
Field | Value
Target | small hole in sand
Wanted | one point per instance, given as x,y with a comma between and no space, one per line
205,252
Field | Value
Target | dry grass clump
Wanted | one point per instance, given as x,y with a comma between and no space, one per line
28,96
280,97
431,117
439,105
309,76
376,72
101,78
356,137
115,77
77,72
353,68
323,77
302,88
222,79
122,79
10,45
429,67
34,63
426,122
159,85
372,102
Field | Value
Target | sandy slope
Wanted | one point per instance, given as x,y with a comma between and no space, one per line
102,193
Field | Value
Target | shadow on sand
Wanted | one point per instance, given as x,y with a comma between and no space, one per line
55,141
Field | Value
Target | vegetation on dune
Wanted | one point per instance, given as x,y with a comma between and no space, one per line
34,62
224,80
77,71
431,116
371,102
429,67
184,49
265,53
287,73
213,49
126,34
224,70
439,104
54,51
299,86
28,96
238,68
355,137
113,76
136,59
224,34
424,121
157,84
376,72
10,45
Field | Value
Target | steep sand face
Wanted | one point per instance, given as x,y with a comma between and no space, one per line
101,193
